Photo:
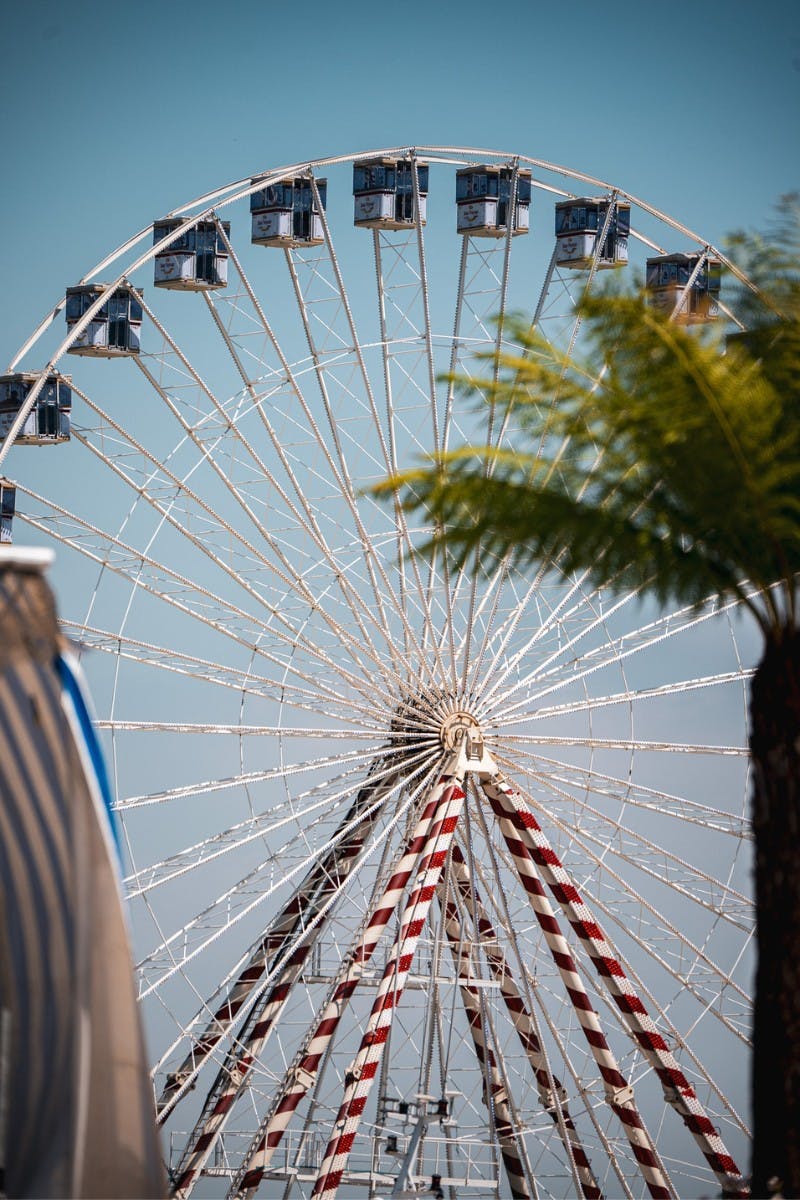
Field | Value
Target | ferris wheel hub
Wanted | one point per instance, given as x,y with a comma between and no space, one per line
458,728
435,714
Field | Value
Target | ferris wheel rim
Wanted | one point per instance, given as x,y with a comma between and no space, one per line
236,190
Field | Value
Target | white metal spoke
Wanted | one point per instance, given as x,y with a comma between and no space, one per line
238,679
628,644
705,980
249,893
625,791
207,787
292,581
393,362
373,566
177,490
242,988
207,446
355,601
192,599
547,712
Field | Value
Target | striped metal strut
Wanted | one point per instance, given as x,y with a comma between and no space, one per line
551,1091
449,798
321,883
303,1073
495,1096
531,851
620,1094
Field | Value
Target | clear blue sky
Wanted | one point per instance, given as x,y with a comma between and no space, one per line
112,114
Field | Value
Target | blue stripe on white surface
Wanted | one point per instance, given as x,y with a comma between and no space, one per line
74,688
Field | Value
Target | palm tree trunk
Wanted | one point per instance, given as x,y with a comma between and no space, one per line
775,750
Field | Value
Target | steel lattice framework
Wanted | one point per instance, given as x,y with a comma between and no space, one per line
438,878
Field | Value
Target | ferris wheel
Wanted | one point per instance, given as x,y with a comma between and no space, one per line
438,879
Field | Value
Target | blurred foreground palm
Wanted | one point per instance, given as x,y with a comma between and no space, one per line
679,472
675,474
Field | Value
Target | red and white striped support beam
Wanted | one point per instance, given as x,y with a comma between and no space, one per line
449,794
619,1092
495,1092
303,1072
551,1091
318,886
315,891
531,849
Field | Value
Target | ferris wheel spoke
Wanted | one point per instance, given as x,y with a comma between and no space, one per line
426,310
570,668
280,958
112,553
245,682
354,599
456,348
561,610
639,744
665,944
192,938
156,480
393,364
380,585
300,1078
205,424
390,422
556,319
653,859
499,635
120,725
346,339
196,600
600,242
739,677
199,541
532,594
524,831
481,299
255,827
484,616
552,1094
280,565
625,791
618,649
499,316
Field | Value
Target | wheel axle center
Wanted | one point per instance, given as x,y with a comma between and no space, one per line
461,727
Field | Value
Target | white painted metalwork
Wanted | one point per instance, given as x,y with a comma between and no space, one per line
281,681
